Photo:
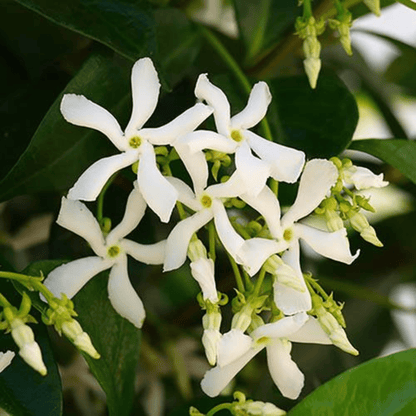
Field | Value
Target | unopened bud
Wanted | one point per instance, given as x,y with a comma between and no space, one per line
312,69
73,331
333,220
212,320
367,232
210,340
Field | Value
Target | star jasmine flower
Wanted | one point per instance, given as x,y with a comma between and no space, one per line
280,162
316,181
276,338
208,205
362,178
136,143
6,359
111,252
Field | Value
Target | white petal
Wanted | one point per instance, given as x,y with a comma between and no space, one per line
288,299
286,163
216,379
76,217
230,239
145,92
180,236
196,165
80,111
185,194
333,246
122,295
159,194
232,345
5,359
180,126
316,181
145,253
233,187
268,206
311,333
203,271
284,371
204,139
71,277
252,170
215,98
256,108
92,181
254,252
135,208
363,178
282,328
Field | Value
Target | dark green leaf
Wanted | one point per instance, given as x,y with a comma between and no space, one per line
399,153
178,43
320,122
23,391
59,152
381,387
263,22
116,339
123,25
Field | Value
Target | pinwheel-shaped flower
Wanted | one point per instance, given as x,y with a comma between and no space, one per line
136,144
317,179
280,162
111,253
208,205
276,338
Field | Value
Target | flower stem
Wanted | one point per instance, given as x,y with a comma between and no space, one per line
212,238
100,199
235,69
219,407
237,274
259,281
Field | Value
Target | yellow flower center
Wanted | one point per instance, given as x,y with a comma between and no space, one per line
113,251
288,234
236,135
206,201
135,142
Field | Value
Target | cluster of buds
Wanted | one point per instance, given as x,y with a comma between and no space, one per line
60,314
14,321
308,29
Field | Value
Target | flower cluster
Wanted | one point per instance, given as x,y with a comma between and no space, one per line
291,307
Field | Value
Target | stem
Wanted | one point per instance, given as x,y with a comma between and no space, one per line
100,199
235,69
307,9
212,238
218,408
237,274
4,302
22,278
259,281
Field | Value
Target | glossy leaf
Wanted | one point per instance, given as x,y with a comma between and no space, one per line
263,22
399,153
308,119
126,27
381,387
23,391
59,152
116,339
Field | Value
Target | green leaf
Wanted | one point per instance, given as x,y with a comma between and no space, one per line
320,122
263,22
381,387
23,391
116,339
59,152
125,26
399,153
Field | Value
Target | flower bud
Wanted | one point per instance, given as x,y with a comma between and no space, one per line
73,331
29,350
367,232
210,340
312,68
333,220
363,178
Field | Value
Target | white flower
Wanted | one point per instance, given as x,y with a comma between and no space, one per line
316,181
276,339
111,253
280,162
5,359
363,178
135,143
208,205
